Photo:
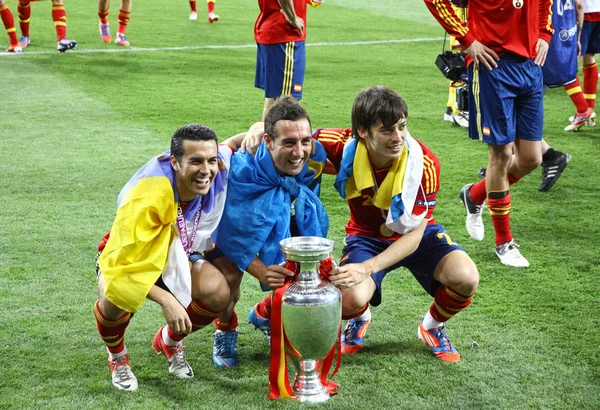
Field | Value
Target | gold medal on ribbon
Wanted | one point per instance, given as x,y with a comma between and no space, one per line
385,231
518,3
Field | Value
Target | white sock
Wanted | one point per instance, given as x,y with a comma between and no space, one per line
166,339
365,316
115,356
429,322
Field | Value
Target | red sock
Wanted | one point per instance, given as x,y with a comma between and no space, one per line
477,192
512,179
193,5
24,10
103,15
9,24
211,6
576,94
200,315
112,332
447,303
60,21
356,314
123,20
590,83
264,307
226,326
500,212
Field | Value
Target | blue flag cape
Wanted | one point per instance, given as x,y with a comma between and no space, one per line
259,200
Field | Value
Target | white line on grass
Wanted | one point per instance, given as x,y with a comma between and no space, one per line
222,47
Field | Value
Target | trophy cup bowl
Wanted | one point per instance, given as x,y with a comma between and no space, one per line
312,314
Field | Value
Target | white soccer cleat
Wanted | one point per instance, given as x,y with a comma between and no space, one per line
509,255
474,222
175,355
122,376
581,119
461,119
194,15
448,115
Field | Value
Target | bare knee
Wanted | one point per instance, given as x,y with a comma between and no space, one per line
109,310
209,286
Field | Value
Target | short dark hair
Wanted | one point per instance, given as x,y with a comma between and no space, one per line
377,104
285,108
193,132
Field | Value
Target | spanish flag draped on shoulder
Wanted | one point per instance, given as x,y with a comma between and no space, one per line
398,191
144,240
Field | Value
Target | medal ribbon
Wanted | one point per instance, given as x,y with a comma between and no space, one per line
181,224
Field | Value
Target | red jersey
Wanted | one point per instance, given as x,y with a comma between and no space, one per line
502,25
365,218
271,27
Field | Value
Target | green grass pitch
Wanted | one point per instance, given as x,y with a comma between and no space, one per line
74,127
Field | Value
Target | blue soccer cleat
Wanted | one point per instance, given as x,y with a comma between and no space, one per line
24,41
260,323
353,338
65,44
225,353
437,340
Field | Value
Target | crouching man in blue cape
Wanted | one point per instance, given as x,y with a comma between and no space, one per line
272,195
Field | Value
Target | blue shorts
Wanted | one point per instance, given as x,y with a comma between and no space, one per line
280,69
590,37
507,102
436,244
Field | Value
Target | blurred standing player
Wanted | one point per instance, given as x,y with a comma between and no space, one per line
60,23
166,215
212,17
453,114
9,24
280,31
561,70
124,14
506,108
391,181
590,45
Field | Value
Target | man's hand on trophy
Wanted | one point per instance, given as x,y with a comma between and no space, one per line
349,275
275,276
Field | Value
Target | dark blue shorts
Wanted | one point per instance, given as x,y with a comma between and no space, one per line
506,103
590,37
436,244
280,69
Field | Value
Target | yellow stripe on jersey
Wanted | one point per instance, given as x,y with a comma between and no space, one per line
430,174
333,134
446,15
549,27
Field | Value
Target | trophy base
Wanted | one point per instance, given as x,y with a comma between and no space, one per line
312,398
307,386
